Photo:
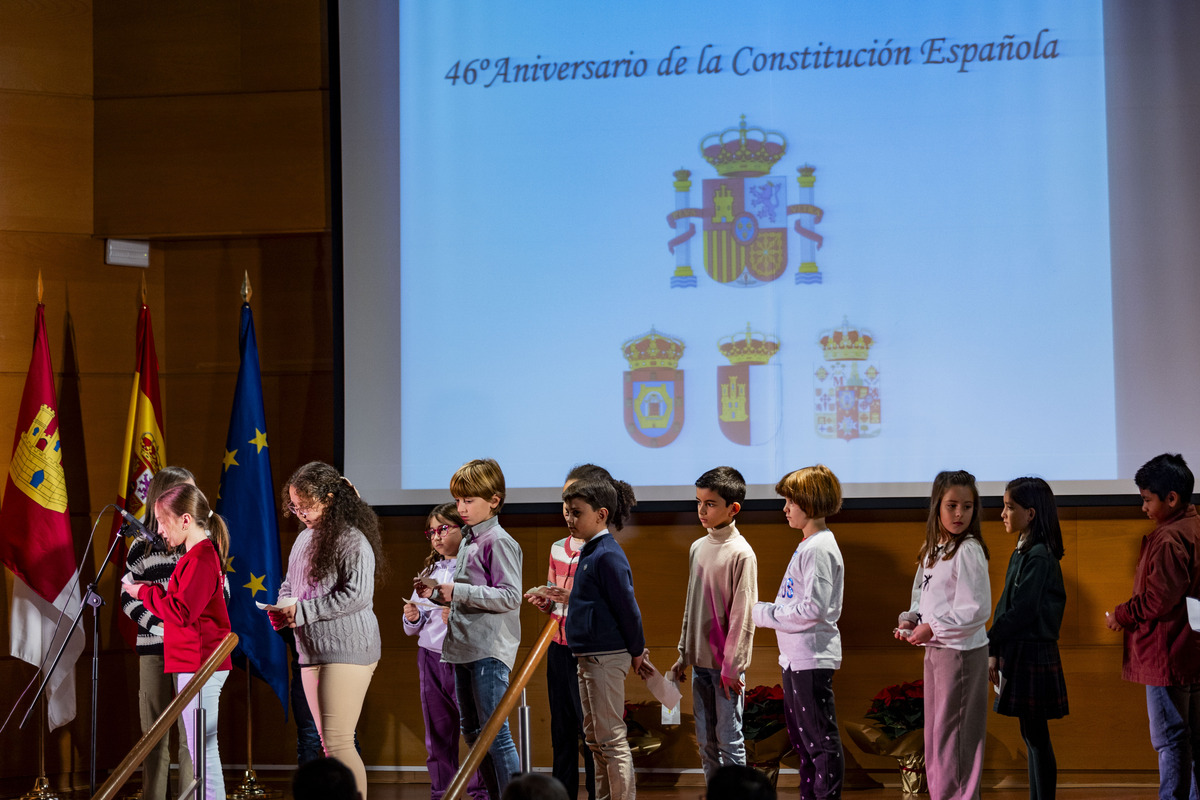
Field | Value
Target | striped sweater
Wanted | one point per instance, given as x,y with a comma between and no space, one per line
148,563
564,559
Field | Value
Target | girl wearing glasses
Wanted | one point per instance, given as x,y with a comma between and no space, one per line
426,621
327,597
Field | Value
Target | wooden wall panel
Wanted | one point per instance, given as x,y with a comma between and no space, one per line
212,118
292,304
46,47
209,165
146,48
45,163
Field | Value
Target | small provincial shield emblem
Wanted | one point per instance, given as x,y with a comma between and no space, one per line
749,388
847,390
653,389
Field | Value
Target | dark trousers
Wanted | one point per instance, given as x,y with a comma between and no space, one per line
308,740
1043,766
813,728
566,722
439,707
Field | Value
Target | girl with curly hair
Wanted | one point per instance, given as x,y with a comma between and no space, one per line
327,598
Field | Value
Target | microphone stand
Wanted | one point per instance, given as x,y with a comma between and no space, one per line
90,598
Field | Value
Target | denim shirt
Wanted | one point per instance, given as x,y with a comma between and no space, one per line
485,614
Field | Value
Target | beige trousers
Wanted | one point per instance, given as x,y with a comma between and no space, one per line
156,690
335,694
602,693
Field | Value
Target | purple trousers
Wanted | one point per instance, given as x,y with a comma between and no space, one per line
439,708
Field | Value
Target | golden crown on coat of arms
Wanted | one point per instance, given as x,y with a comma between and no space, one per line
653,349
743,152
846,343
749,347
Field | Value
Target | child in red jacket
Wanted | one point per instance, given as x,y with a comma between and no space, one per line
193,611
1161,649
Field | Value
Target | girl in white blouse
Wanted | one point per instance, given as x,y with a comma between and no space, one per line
951,603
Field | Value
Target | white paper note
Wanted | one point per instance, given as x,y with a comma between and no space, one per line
283,602
664,691
1193,607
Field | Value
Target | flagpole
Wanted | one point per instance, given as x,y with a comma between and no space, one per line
250,788
41,787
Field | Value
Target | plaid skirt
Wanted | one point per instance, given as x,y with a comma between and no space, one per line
1033,683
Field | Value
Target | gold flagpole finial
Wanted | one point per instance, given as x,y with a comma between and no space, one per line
143,288
39,287
246,290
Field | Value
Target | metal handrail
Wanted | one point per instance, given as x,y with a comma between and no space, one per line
166,720
507,703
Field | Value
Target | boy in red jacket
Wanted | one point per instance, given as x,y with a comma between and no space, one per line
1161,649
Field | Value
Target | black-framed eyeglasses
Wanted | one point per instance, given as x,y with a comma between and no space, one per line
440,530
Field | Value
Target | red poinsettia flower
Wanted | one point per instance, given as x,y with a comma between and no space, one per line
899,708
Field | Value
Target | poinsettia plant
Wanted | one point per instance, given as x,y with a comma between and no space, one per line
899,708
762,714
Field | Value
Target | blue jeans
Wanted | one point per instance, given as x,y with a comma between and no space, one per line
718,722
1174,713
208,699
479,686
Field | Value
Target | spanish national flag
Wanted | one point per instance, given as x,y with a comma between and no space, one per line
144,453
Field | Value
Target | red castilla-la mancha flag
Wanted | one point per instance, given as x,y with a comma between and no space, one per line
144,452
35,535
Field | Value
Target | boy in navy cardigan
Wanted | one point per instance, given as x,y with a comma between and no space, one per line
604,630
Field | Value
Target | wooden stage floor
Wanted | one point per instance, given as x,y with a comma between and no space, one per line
420,791
649,789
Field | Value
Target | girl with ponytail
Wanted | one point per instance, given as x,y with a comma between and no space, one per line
193,611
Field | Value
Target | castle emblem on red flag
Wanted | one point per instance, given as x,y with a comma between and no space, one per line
749,388
36,466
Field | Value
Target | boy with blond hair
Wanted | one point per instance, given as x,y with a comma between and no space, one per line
484,627
717,639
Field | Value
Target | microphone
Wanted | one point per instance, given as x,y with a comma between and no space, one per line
135,525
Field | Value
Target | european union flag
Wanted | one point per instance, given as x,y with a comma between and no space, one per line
247,501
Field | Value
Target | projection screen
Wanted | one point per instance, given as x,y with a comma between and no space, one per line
893,238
